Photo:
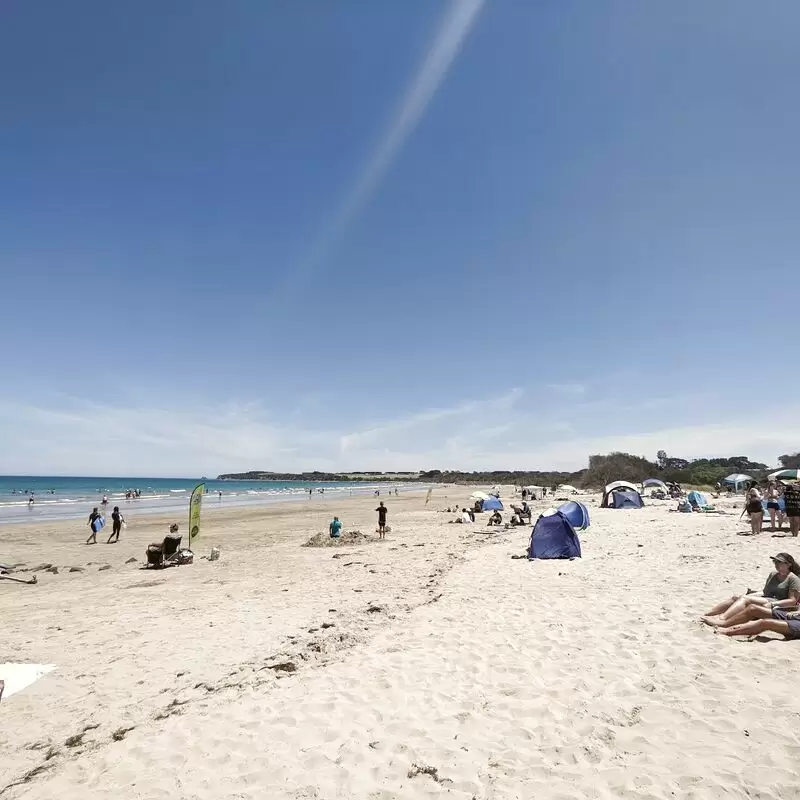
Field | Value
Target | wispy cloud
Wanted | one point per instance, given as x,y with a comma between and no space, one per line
453,30
73,436
573,389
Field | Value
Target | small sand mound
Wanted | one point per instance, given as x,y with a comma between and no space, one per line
348,538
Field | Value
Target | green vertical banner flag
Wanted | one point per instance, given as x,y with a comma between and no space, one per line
195,504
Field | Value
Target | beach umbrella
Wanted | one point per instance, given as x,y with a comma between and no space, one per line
736,479
479,496
785,475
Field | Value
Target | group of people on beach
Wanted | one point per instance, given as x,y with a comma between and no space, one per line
774,494
97,521
335,527
775,608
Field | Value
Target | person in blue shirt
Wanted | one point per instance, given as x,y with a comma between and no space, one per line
335,528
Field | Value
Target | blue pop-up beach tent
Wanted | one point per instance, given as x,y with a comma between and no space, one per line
554,537
576,513
621,494
492,504
625,498
697,499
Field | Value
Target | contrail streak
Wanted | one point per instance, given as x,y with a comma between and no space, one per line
453,30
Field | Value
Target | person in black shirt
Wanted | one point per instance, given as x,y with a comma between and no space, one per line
382,511
92,517
117,519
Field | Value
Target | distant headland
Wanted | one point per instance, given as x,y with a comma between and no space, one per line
319,477
601,470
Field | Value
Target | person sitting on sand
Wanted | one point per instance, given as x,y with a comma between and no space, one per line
781,592
335,528
495,519
755,510
461,518
779,617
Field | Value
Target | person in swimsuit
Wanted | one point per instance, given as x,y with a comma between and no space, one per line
755,509
781,593
773,506
116,519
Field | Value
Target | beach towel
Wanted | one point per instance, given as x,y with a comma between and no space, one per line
17,677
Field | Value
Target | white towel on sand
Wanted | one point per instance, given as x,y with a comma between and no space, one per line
19,676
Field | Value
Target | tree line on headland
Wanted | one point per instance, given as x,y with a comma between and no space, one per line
602,469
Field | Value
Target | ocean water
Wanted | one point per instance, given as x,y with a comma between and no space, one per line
73,498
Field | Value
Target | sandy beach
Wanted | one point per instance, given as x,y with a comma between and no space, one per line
430,664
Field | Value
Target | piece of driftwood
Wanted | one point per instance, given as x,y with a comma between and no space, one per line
30,581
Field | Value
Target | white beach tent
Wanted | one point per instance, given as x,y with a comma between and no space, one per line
536,492
620,485
568,489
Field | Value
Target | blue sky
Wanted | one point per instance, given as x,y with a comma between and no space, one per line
396,236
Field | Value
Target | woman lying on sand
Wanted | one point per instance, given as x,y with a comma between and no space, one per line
768,611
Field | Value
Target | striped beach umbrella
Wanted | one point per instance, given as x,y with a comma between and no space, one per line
785,475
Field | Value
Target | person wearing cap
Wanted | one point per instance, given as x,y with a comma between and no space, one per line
758,619
781,592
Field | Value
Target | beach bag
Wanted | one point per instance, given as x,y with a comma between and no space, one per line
183,557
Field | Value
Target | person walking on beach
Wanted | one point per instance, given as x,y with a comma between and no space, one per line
382,512
92,517
117,519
